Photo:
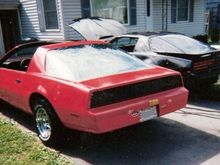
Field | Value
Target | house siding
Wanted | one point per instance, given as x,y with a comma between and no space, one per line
185,27
72,10
30,22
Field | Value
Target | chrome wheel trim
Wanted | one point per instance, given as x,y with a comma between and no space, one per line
43,124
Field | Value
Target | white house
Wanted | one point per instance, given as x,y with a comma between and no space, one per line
49,19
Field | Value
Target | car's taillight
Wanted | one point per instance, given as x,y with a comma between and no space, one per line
203,64
132,91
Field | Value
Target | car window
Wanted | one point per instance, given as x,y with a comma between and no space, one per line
25,52
20,58
175,43
90,61
125,43
157,44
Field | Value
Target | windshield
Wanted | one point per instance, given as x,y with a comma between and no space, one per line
175,43
89,61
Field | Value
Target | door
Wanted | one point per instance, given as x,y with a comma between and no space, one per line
10,28
149,19
11,86
13,69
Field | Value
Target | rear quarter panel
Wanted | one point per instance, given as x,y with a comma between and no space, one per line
66,98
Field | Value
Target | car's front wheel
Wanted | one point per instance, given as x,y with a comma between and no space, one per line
47,123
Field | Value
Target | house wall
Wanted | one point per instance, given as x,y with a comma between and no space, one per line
185,27
29,16
72,10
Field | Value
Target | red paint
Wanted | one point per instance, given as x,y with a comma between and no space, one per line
71,99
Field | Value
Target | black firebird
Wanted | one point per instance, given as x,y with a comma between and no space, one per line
199,63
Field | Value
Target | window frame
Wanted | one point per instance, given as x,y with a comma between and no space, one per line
128,12
177,11
42,18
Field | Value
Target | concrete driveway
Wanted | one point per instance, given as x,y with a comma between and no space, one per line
190,136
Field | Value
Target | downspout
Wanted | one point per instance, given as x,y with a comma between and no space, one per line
62,19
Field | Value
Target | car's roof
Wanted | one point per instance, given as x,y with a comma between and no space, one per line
72,43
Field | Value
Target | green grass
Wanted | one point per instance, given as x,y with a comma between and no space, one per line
211,92
18,148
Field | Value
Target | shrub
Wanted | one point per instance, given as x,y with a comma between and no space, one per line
215,35
202,37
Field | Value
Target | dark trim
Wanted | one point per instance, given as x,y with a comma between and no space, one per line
86,9
148,8
133,12
191,11
173,11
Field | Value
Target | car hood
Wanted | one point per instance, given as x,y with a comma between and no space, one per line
128,78
98,28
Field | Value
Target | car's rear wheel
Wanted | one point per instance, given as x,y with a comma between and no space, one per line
47,123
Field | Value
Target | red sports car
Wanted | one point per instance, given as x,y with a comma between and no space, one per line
86,85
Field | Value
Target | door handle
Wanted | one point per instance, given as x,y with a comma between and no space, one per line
18,81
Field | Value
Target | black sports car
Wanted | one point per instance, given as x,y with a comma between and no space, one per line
199,63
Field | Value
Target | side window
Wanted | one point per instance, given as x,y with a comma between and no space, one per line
125,43
20,59
133,41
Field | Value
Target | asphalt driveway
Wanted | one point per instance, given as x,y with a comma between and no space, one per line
190,136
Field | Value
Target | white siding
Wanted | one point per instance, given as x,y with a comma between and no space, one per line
141,18
185,27
72,10
30,22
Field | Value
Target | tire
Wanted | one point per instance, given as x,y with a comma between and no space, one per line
48,126
212,80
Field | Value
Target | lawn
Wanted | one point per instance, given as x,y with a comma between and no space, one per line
17,147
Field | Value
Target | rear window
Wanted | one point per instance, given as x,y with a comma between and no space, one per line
175,43
85,62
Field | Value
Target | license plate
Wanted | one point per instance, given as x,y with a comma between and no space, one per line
148,114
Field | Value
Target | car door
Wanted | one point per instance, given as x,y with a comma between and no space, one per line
12,74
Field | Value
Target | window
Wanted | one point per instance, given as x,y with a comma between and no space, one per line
84,62
47,13
50,14
182,10
117,10
125,43
20,58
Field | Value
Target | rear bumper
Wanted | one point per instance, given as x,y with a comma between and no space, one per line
200,77
119,115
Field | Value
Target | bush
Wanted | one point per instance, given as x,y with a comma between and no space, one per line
215,35
202,37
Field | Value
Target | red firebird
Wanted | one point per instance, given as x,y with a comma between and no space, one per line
87,86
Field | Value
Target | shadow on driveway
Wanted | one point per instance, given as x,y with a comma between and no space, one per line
160,141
